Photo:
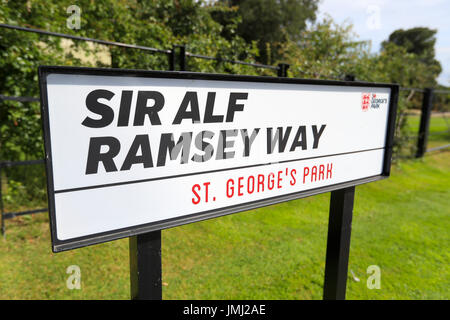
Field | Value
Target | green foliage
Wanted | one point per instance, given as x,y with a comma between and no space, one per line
419,41
327,50
272,22
441,101
21,137
25,188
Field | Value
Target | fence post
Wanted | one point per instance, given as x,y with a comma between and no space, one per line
183,58
282,69
427,104
349,77
172,59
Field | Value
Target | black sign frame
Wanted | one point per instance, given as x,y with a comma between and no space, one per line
63,245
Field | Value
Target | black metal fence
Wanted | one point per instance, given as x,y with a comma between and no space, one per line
177,58
426,114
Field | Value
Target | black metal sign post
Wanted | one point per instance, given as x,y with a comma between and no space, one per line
145,266
338,243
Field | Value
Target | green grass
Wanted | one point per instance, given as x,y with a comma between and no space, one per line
439,133
401,224
437,123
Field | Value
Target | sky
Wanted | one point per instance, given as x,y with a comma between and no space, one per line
375,20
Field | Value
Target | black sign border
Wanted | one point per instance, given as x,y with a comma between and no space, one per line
63,245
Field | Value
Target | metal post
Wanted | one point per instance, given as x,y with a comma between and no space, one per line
145,266
182,58
349,77
422,140
282,69
172,59
338,243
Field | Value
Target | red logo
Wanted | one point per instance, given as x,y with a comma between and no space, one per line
365,101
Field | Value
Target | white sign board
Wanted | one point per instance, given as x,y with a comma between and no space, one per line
130,152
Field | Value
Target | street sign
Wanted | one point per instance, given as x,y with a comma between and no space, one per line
129,152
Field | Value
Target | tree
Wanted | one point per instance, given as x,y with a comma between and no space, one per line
326,51
419,41
272,22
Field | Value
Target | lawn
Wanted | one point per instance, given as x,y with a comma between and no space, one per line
439,133
401,224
